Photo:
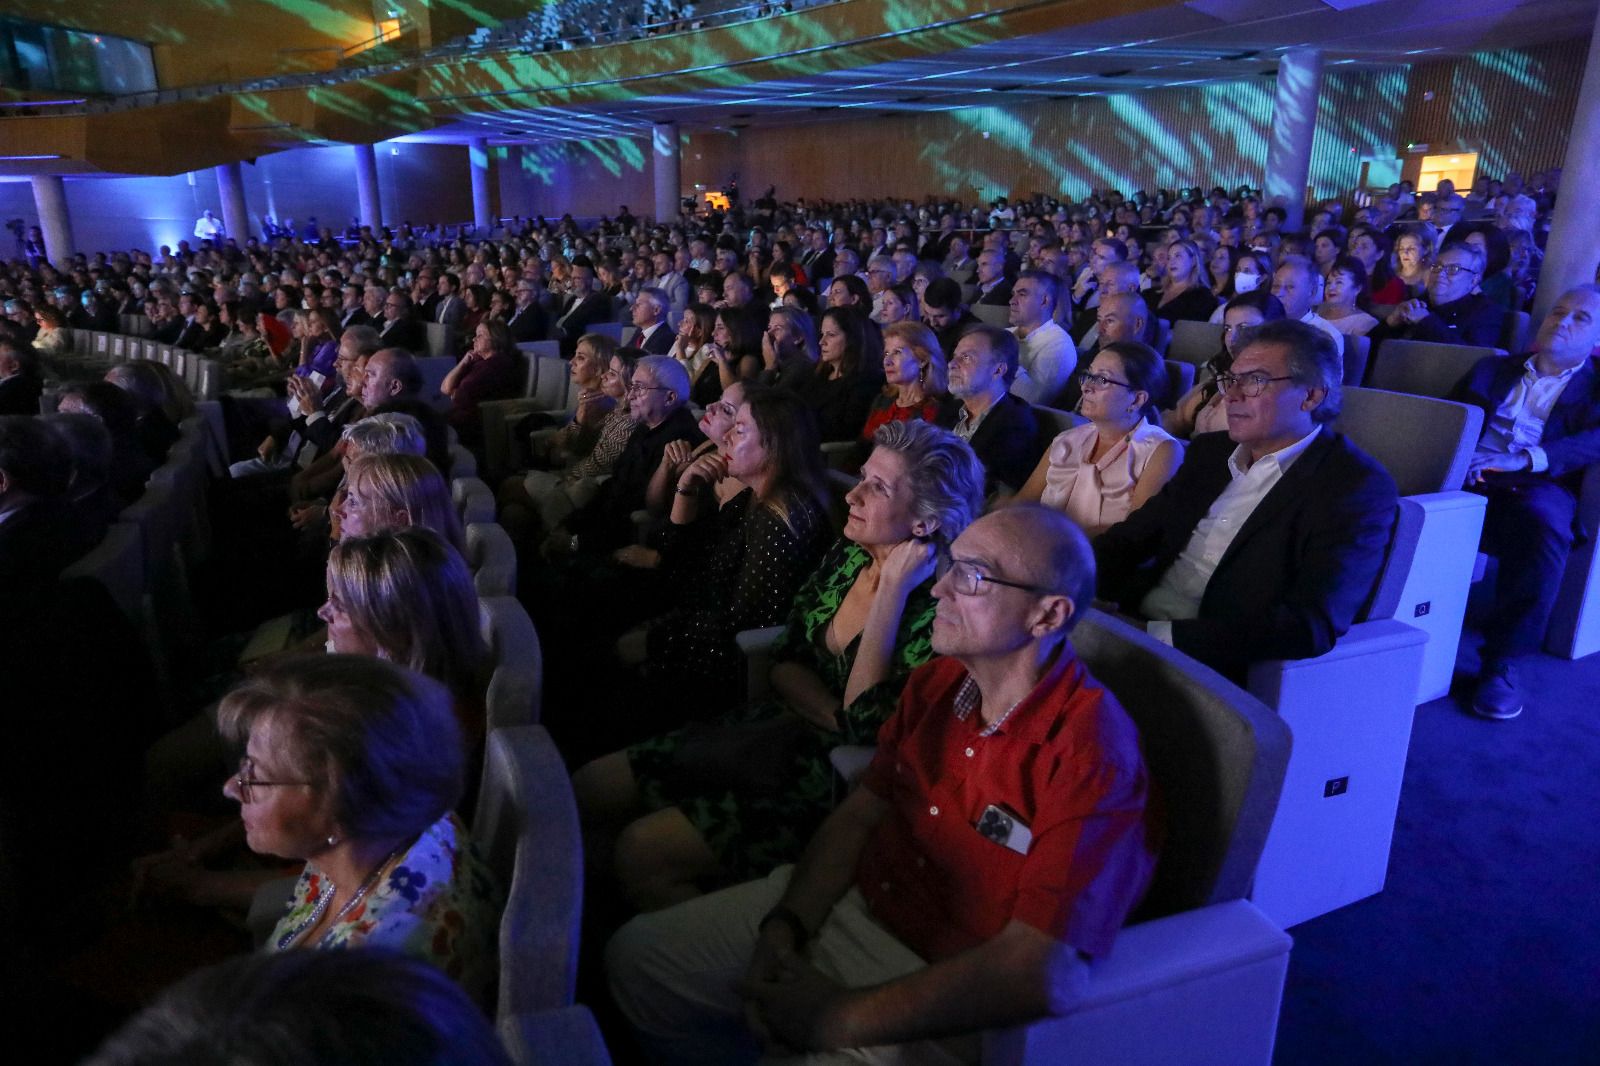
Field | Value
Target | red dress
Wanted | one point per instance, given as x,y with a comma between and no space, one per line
885,410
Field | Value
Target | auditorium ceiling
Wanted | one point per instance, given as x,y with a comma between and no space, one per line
866,57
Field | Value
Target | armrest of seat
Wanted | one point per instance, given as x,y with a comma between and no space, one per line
756,644
498,418
1379,656
568,1035
1199,987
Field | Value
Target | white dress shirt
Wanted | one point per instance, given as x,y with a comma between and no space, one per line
1181,588
1048,359
1517,425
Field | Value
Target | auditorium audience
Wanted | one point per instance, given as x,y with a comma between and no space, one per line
1100,472
1268,541
742,794
925,959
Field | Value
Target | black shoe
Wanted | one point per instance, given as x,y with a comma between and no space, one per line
1497,695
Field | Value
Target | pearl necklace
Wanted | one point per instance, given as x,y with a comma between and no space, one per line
326,897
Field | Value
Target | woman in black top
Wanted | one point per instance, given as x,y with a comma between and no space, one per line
1186,295
848,375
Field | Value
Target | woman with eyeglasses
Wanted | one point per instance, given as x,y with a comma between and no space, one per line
1102,471
734,798
536,501
354,766
1202,410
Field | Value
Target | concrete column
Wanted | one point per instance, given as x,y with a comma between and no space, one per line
50,200
235,215
1574,245
1294,121
370,209
669,181
482,209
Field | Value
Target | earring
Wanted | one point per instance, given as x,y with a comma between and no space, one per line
332,840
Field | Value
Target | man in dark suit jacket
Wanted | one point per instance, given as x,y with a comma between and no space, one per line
399,329
583,308
1268,542
650,317
992,286
528,321
1541,430
20,386
983,411
1452,313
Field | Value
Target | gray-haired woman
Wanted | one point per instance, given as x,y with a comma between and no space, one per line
739,797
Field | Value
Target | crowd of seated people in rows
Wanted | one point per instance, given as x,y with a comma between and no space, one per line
683,499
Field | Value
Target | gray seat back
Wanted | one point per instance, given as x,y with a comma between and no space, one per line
1423,368
1216,754
1195,342
1425,444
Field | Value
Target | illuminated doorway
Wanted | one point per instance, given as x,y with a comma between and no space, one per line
1458,167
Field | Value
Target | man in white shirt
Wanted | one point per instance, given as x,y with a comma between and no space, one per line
206,227
1268,542
1048,358
1541,430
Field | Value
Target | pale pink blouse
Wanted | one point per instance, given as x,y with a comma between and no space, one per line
1098,495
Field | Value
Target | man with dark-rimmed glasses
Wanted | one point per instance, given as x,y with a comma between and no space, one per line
1269,539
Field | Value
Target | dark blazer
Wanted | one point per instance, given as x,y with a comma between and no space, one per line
1297,575
659,342
577,317
999,295
358,317
19,394
1007,441
1473,319
528,324
1571,437
404,332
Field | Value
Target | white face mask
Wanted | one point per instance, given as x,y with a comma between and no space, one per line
1246,282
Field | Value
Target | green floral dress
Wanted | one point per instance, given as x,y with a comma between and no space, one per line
752,834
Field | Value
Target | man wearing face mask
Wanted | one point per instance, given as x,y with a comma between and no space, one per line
1454,312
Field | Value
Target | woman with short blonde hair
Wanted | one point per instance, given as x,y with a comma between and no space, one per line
389,491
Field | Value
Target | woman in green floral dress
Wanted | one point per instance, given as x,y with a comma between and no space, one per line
735,799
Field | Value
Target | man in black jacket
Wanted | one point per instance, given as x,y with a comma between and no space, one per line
1454,312
398,328
983,410
1268,542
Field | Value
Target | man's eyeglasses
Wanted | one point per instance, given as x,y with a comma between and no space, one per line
1094,382
246,784
636,389
1450,270
968,580
1249,385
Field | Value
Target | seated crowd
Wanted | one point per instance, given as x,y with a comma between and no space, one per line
925,587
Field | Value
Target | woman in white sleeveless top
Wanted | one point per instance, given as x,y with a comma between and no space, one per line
1100,472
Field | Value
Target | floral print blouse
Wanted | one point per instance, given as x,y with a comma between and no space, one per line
438,902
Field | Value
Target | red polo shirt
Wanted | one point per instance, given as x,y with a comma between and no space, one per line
1066,764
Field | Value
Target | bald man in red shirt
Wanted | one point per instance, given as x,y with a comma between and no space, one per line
996,844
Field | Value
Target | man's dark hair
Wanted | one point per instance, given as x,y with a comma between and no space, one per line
1315,361
1002,342
943,293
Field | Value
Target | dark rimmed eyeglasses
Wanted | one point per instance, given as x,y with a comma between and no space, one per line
968,580
1249,385
1090,379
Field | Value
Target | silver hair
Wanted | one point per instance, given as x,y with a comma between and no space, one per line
668,372
946,476
388,434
